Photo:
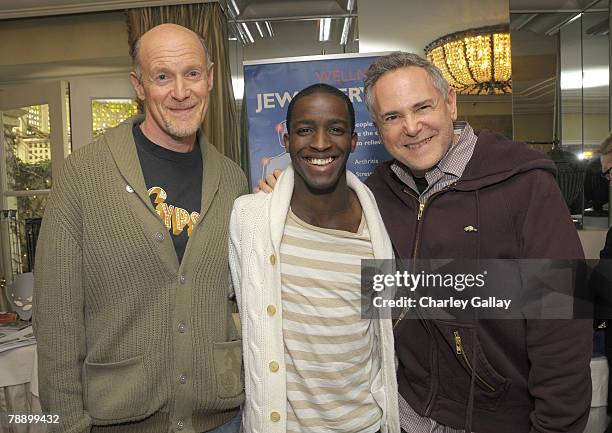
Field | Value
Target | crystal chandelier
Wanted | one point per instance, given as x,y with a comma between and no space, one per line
475,61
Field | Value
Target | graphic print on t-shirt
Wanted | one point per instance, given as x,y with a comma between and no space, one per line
174,184
174,218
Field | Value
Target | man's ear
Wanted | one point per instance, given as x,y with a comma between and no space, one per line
451,101
353,141
286,142
137,85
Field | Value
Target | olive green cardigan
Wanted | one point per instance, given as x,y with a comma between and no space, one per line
128,338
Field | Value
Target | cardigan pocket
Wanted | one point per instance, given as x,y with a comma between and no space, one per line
117,391
228,368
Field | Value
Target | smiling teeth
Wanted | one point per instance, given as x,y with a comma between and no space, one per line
419,144
319,161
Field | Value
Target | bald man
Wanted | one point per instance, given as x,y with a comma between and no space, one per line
132,316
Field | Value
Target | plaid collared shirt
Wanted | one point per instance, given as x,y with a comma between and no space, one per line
412,422
449,169
446,172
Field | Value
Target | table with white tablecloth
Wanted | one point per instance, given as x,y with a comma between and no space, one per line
598,417
19,389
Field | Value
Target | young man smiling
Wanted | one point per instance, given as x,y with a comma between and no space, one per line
312,363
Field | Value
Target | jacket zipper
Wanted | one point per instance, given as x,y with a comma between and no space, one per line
415,250
460,351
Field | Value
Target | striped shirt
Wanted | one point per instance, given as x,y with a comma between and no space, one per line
449,169
331,353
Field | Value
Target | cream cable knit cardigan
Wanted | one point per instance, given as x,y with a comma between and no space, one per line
256,229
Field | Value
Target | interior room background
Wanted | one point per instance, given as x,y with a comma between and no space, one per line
64,68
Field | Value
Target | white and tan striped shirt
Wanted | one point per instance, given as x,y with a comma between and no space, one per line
331,353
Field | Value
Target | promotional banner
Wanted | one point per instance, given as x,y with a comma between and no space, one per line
269,87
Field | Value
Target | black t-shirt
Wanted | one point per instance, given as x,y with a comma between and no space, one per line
421,184
174,181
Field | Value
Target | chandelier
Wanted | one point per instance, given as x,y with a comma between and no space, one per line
475,61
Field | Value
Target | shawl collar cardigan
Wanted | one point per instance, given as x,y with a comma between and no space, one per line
118,321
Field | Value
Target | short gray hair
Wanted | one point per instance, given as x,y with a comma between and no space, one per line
398,60
135,50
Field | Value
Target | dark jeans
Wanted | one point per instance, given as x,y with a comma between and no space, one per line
232,426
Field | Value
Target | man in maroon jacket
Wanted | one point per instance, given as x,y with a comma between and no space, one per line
449,193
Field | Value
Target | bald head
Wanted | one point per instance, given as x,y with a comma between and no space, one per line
173,79
172,34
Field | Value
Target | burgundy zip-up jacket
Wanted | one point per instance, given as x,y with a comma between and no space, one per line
531,375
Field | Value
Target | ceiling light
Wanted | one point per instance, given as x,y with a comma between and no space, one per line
345,31
248,32
324,29
259,29
556,28
235,6
269,28
574,18
475,61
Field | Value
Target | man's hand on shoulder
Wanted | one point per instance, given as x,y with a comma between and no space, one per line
267,185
